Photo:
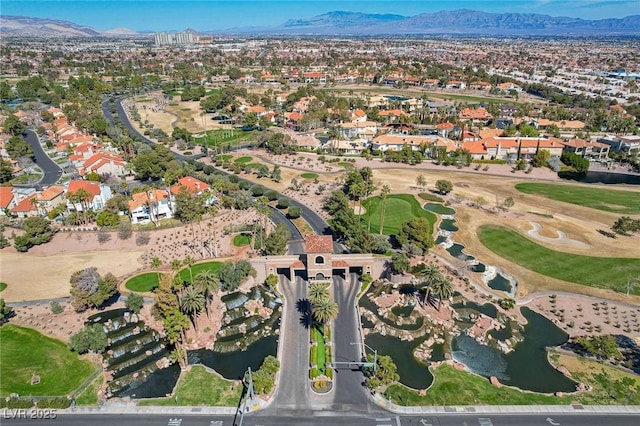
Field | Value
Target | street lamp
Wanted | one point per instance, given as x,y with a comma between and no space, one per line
375,355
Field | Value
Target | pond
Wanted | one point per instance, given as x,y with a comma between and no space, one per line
232,365
499,282
412,372
527,366
488,309
449,225
439,209
602,177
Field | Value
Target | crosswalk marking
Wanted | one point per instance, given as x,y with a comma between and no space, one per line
215,423
485,421
174,422
387,419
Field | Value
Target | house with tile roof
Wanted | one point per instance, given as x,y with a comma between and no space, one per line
476,115
7,199
596,151
50,198
27,207
99,195
150,206
103,163
358,129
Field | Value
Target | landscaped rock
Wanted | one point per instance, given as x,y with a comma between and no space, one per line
495,382
563,370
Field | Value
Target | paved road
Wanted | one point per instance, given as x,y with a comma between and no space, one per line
350,395
333,419
51,171
293,393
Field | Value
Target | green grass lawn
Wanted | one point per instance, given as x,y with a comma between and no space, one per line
309,175
3,286
399,208
143,282
321,354
212,266
243,160
453,387
89,396
241,240
224,157
24,352
199,387
601,272
346,164
229,137
622,202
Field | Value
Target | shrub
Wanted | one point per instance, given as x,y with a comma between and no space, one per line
59,402
283,203
142,238
56,308
430,197
271,195
294,212
16,403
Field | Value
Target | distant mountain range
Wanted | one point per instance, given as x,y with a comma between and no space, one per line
455,22
39,27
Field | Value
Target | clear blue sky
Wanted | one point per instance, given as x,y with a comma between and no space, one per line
202,15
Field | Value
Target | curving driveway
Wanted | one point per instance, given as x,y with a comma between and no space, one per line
51,172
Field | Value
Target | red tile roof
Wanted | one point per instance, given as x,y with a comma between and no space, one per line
91,187
25,205
6,195
319,244
191,184
339,264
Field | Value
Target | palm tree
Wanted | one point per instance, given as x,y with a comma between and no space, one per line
207,283
442,288
386,190
324,310
191,303
155,264
430,274
188,262
318,291
261,205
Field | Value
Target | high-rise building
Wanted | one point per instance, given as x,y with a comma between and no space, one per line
168,39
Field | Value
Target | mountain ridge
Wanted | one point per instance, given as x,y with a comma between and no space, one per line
454,22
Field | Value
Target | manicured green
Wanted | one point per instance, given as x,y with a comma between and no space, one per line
345,164
245,159
24,352
601,272
430,197
622,202
224,157
399,208
227,137
212,266
241,240
453,387
309,175
143,282
3,286
199,387
321,354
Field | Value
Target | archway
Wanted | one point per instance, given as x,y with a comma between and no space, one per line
320,276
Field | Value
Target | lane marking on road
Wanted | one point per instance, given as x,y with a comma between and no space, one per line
484,421
174,422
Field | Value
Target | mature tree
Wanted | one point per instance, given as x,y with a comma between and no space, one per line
134,302
431,273
17,148
250,120
626,225
380,244
207,283
191,303
189,207
294,212
324,310
91,338
421,182
386,372
386,190
276,241
418,232
232,275
337,201
13,125
125,230
189,262
399,263
264,378
442,289
444,186
107,219
579,164
318,291
5,311
603,347
90,289
540,158
6,171
37,230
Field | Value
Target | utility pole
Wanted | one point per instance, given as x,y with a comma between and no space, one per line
250,395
